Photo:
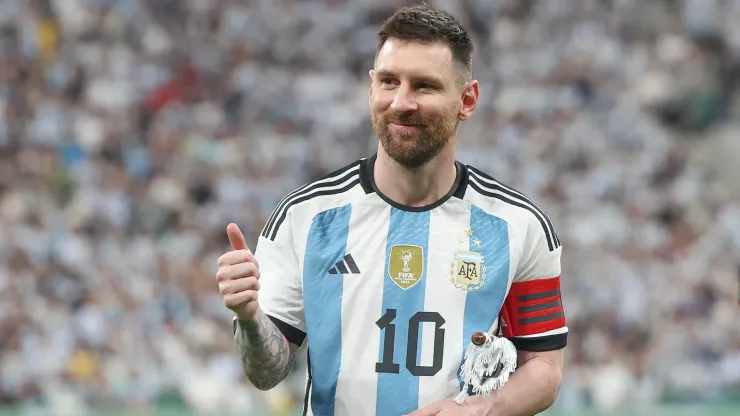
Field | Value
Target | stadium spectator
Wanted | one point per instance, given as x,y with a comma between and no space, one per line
132,132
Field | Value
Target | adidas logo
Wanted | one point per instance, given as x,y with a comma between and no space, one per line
345,266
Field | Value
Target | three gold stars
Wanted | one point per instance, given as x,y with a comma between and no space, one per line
468,234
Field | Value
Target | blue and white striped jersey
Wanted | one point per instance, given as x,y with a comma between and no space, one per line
386,297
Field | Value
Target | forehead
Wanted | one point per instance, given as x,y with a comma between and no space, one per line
414,58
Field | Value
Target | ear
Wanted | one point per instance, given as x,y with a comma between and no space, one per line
470,94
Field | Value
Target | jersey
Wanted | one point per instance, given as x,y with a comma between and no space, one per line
386,297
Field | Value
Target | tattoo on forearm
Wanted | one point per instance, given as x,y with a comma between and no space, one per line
265,353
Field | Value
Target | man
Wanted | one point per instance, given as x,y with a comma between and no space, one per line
385,268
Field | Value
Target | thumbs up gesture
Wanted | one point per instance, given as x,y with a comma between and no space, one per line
238,277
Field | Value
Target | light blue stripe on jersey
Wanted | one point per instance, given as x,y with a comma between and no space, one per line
399,393
482,306
322,297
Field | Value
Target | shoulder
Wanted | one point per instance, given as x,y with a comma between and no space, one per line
511,204
331,190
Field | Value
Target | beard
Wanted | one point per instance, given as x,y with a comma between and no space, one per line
414,149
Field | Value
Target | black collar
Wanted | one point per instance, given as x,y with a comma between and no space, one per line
367,180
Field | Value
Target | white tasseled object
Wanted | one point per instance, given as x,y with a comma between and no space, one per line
489,361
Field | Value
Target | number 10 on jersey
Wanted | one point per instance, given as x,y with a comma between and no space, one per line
387,364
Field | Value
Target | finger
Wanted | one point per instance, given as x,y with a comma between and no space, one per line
237,300
237,271
423,412
236,238
229,287
429,410
237,257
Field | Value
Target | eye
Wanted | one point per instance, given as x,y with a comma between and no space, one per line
387,81
425,86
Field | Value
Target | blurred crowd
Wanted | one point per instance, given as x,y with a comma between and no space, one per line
133,131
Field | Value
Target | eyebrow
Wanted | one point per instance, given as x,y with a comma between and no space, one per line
382,73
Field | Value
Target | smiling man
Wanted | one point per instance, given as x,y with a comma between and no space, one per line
385,268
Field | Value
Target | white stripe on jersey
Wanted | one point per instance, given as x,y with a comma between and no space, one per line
562,330
442,298
362,298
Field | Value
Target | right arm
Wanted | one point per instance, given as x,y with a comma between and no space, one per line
266,355
268,325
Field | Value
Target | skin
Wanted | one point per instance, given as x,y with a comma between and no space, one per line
266,355
420,81
414,80
531,389
418,96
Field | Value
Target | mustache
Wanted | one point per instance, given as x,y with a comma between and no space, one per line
412,119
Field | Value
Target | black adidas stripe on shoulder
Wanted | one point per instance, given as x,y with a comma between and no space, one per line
323,181
335,182
488,186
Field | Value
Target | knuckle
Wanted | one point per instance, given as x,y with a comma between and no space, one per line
242,271
248,283
251,258
222,274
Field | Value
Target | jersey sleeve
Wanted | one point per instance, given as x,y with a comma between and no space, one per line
533,317
281,290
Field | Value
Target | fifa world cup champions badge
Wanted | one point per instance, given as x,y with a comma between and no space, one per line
489,361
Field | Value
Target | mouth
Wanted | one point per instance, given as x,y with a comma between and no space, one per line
404,127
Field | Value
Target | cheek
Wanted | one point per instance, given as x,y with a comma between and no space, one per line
436,108
381,100
445,104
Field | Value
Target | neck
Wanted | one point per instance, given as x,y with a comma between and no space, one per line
416,187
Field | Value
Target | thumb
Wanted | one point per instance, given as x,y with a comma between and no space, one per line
236,238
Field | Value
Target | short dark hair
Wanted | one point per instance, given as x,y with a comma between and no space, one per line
426,24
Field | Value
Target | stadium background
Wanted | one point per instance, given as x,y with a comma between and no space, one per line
133,131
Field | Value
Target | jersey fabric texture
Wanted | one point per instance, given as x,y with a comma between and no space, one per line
386,297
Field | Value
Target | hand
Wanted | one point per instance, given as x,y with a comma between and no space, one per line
238,277
476,406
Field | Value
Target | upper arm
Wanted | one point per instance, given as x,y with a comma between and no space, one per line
281,287
533,315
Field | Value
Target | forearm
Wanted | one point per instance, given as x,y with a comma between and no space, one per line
531,389
266,355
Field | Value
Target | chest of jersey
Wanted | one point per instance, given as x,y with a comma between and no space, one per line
392,297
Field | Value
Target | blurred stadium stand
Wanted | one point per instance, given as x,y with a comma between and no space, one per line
133,131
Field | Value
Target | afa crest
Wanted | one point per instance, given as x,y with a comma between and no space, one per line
468,271
406,265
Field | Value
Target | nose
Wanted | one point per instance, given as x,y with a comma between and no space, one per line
404,101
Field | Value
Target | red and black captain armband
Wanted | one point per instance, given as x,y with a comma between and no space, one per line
531,309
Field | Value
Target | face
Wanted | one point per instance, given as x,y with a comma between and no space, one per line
416,100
